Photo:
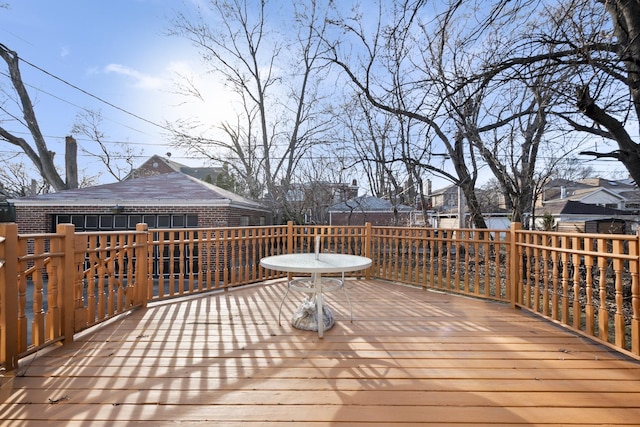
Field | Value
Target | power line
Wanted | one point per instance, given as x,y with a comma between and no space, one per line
61,100
105,141
95,96
110,104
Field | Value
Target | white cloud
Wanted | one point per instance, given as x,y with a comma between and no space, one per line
141,80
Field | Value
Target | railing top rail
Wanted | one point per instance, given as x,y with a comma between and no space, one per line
582,235
253,227
39,235
433,229
110,232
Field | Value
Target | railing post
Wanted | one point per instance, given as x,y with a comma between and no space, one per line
142,281
66,294
634,266
9,296
290,237
514,264
367,247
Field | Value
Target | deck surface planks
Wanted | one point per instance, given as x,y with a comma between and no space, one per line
411,357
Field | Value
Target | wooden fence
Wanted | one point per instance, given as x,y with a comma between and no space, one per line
57,284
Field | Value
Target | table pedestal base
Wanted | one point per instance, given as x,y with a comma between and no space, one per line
306,316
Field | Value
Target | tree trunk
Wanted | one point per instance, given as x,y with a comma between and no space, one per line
625,15
43,158
71,161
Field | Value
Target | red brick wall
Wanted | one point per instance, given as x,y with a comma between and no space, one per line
39,219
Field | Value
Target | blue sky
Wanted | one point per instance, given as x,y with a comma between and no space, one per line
117,50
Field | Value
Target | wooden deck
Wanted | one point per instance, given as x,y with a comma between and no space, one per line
411,357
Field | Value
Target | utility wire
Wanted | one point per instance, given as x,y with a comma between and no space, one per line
61,100
95,96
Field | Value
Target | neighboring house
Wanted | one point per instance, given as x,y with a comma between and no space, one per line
158,165
588,197
313,199
574,216
623,194
445,200
378,212
447,203
592,205
171,200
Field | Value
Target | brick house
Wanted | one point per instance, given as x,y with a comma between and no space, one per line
156,165
167,200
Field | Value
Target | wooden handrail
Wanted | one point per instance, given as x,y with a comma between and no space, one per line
586,282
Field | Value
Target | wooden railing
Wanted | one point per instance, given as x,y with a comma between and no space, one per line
587,282
57,284
187,261
465,261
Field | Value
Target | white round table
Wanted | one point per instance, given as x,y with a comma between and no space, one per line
316,264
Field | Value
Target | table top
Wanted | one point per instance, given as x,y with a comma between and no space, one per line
307,263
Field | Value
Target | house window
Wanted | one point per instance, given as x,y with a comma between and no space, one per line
150,220
106,222
164,221
120,222
134,220
177,221
244,221
92,222
78,222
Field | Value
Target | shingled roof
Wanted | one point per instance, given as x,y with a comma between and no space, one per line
158,165
368,204
168,189
572,207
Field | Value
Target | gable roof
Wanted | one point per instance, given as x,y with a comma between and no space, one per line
623,190
578,193
448,189
156,164
368,204
168,189
573,207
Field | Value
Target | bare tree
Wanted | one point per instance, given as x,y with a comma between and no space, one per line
616,59
276,81
41,157
597,43
16,180
373,135
119,160
448,72
397,72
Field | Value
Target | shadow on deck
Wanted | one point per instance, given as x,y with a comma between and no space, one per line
410,357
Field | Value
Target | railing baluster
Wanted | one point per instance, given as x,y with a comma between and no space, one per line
619,325
587,282
589,309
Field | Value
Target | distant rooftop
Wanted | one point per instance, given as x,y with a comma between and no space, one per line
573,207
368,204
167,189
158,165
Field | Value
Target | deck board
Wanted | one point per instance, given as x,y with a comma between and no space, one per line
411,357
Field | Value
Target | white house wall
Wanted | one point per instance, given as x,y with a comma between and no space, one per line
603,199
